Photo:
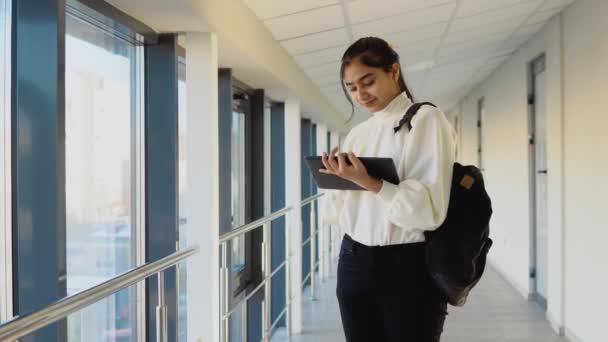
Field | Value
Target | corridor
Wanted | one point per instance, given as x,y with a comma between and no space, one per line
495,312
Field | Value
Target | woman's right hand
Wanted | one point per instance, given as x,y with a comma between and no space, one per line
331,166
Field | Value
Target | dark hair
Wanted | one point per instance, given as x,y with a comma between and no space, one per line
373,52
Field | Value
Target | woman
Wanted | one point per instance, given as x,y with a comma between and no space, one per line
384,291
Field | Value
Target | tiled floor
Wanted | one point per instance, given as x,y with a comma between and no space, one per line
495,312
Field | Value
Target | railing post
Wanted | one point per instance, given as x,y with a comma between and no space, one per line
321,247
161,310
224,291
267,270
313,248
288,218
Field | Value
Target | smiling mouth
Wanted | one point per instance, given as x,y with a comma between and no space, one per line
369,102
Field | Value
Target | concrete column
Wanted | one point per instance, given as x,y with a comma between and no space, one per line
335,235
324,240
293,195
203,194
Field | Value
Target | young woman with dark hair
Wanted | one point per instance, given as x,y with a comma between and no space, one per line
384,290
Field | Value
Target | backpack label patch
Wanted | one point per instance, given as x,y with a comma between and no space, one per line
467,182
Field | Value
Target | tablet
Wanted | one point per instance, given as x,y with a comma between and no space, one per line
381,168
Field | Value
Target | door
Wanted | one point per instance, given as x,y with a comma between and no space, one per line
539,181
480,116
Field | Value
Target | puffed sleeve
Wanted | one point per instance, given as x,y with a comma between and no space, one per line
421,200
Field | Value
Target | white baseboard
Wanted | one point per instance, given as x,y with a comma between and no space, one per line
572,336
559,329
524,293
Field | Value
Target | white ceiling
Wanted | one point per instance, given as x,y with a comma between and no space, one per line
446,46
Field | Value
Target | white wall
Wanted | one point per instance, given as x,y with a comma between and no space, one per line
506,151
576,51
585,168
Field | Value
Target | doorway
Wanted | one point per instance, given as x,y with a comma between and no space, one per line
538,181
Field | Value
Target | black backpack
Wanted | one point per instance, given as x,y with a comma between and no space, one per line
456,251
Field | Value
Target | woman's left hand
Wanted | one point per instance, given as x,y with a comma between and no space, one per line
356,172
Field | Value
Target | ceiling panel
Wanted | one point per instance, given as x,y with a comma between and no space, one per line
516,14
542,17
472,44
368,10
472,7
445,50
415,61
328,80
404,22
315,42
516,42
324,70
477,35
404,39
466,52
529,30
265,9
493,63
555,3
321,56
419,46
303,23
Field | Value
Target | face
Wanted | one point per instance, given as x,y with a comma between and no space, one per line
372,88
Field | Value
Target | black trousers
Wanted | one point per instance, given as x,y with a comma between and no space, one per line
386,295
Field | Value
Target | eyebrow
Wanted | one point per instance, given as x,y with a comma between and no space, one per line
360,79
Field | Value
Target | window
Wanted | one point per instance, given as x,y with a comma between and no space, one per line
5,166
238,186
238,321
103,116
182,324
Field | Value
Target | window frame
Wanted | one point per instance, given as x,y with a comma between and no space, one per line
142,34
6,250
181,268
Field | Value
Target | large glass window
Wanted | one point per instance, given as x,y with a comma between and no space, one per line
5,155
241,108
238,186
103,115
182,324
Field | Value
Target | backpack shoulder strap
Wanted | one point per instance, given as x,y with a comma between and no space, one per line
409,115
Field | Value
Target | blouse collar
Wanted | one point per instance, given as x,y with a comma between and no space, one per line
397,106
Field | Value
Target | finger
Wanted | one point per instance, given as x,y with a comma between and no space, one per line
333,152
328,166
332,159
324,160
351,158
355,161
341,161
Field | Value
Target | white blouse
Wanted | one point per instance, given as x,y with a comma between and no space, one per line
424,158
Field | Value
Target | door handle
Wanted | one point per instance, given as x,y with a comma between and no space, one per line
544,172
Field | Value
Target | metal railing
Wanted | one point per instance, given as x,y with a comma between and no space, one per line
24,325
314,232
268,272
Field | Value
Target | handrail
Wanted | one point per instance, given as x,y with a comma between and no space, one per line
253,225
311,198
258,223
24,325
264,224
